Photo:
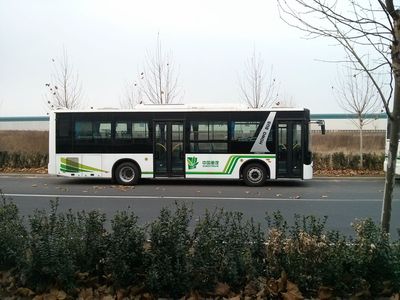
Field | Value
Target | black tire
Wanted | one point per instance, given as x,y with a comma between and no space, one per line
127,173
254,174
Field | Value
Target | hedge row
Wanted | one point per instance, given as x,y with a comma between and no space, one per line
23,160
341,161
170,258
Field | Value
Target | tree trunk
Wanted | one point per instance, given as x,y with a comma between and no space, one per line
361,146
391,160
394,134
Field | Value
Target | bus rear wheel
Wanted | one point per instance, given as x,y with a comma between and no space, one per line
254,174
127,173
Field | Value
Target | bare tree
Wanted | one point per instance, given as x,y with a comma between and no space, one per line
356,95
65,88
160,81
257,89
286,100
133,95
369,32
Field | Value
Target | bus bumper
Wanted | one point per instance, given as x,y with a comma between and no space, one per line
308,171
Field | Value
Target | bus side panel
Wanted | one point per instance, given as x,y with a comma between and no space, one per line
223,165
99,165
144,160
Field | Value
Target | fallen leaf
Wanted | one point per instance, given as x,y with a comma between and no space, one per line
49,297
325,293
282,282
24,292
395,297
250,289
293,292
194,295
222,289
86,294
273,287
58,294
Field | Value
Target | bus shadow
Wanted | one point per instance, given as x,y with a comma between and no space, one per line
183,182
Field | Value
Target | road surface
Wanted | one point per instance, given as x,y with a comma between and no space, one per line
342,200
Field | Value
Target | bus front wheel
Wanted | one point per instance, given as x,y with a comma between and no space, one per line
127,173
254,174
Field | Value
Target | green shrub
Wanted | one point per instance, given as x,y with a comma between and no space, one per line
23,160
353,161
339,161
63,244
169,271
91,242
302,250
126,256
226,249
372,257
373,161
51,260
321,161
13,236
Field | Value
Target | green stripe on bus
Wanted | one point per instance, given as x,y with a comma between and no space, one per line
71,166
231,164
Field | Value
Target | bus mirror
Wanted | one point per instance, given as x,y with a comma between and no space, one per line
320,123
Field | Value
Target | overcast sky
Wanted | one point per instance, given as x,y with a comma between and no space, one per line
107,43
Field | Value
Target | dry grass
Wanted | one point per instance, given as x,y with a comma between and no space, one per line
348,142
24,141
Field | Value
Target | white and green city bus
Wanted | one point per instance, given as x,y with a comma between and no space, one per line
153,142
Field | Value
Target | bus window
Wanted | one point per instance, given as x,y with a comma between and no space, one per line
63,128
245,131
102,130
87,130
122,130
209,136
140,130
83,130
218,131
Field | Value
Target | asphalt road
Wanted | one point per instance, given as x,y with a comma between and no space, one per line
342,200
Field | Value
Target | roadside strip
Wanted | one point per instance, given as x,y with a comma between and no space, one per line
192,198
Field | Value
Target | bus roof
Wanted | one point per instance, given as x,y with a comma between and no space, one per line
181,108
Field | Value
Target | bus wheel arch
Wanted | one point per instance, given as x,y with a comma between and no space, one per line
126,172
255,172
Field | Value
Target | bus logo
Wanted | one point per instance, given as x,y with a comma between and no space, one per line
192,162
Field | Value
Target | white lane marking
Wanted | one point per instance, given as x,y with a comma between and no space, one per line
194,198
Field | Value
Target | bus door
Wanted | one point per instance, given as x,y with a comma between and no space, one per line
290,150
168,148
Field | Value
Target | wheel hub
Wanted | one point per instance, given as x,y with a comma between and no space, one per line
127,174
